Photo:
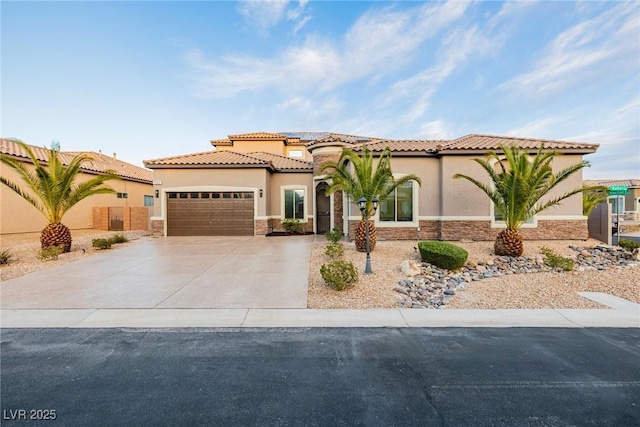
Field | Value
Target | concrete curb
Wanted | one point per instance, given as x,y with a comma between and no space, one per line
623,314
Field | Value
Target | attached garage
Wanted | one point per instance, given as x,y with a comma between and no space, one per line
220,213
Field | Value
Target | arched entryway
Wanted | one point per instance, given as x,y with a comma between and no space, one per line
323,209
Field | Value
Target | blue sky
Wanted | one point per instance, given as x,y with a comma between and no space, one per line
153,79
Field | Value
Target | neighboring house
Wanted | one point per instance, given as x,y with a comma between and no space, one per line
134,190
251,182
629,204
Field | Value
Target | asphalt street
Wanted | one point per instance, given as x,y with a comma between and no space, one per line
321,377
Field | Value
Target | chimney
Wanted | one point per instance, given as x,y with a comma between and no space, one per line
114,155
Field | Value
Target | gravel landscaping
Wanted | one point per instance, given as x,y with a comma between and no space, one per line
486,282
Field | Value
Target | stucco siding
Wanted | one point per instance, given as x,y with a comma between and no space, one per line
18,216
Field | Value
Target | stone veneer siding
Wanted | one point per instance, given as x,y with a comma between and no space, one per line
157,226
479,230
261,227
320,159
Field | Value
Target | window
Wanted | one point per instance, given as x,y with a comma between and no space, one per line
398,206
296,153
294,204
122,195
148,200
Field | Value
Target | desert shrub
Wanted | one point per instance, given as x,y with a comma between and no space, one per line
334,250
628,245
443,254
292,226
554,260
51,253
334,235
339,274
5,257
119,238
101,243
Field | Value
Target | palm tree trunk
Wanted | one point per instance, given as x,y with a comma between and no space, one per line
361,236
509,243
56,234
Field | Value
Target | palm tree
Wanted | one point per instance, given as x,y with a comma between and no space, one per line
53,190
516,190
592,196
356,176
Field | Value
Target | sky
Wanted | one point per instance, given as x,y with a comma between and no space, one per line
151,79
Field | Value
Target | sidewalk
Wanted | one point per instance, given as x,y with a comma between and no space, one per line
623,314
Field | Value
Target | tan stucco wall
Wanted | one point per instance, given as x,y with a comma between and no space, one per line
273,147
279,180
257,178
427,169
462,198
18,216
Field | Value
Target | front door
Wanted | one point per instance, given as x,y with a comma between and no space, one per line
323,209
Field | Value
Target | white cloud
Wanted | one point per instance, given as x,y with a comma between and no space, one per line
437,129
539,128
583,52
378,43
262,14
456,48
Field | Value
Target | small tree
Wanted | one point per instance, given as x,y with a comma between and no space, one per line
516,190
53,191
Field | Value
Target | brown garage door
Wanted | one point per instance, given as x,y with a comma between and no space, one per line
210,214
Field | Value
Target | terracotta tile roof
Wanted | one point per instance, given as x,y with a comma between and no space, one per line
631,183
216,142
100,163
493,142
282,163
232,158
400,145
211,158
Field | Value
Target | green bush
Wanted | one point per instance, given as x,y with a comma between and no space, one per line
554,260
101,243
5,257
334,250
339,274
334,235
119,238
442,254
51,253
628,245
292,226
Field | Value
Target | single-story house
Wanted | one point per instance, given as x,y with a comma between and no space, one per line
249,183
628,204
134,193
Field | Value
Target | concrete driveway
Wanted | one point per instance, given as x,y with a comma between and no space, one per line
174,272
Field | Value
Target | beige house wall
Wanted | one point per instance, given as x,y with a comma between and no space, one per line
246,146
428,169
462,198
18,216
281,180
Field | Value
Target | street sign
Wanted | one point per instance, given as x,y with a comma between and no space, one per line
618,190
